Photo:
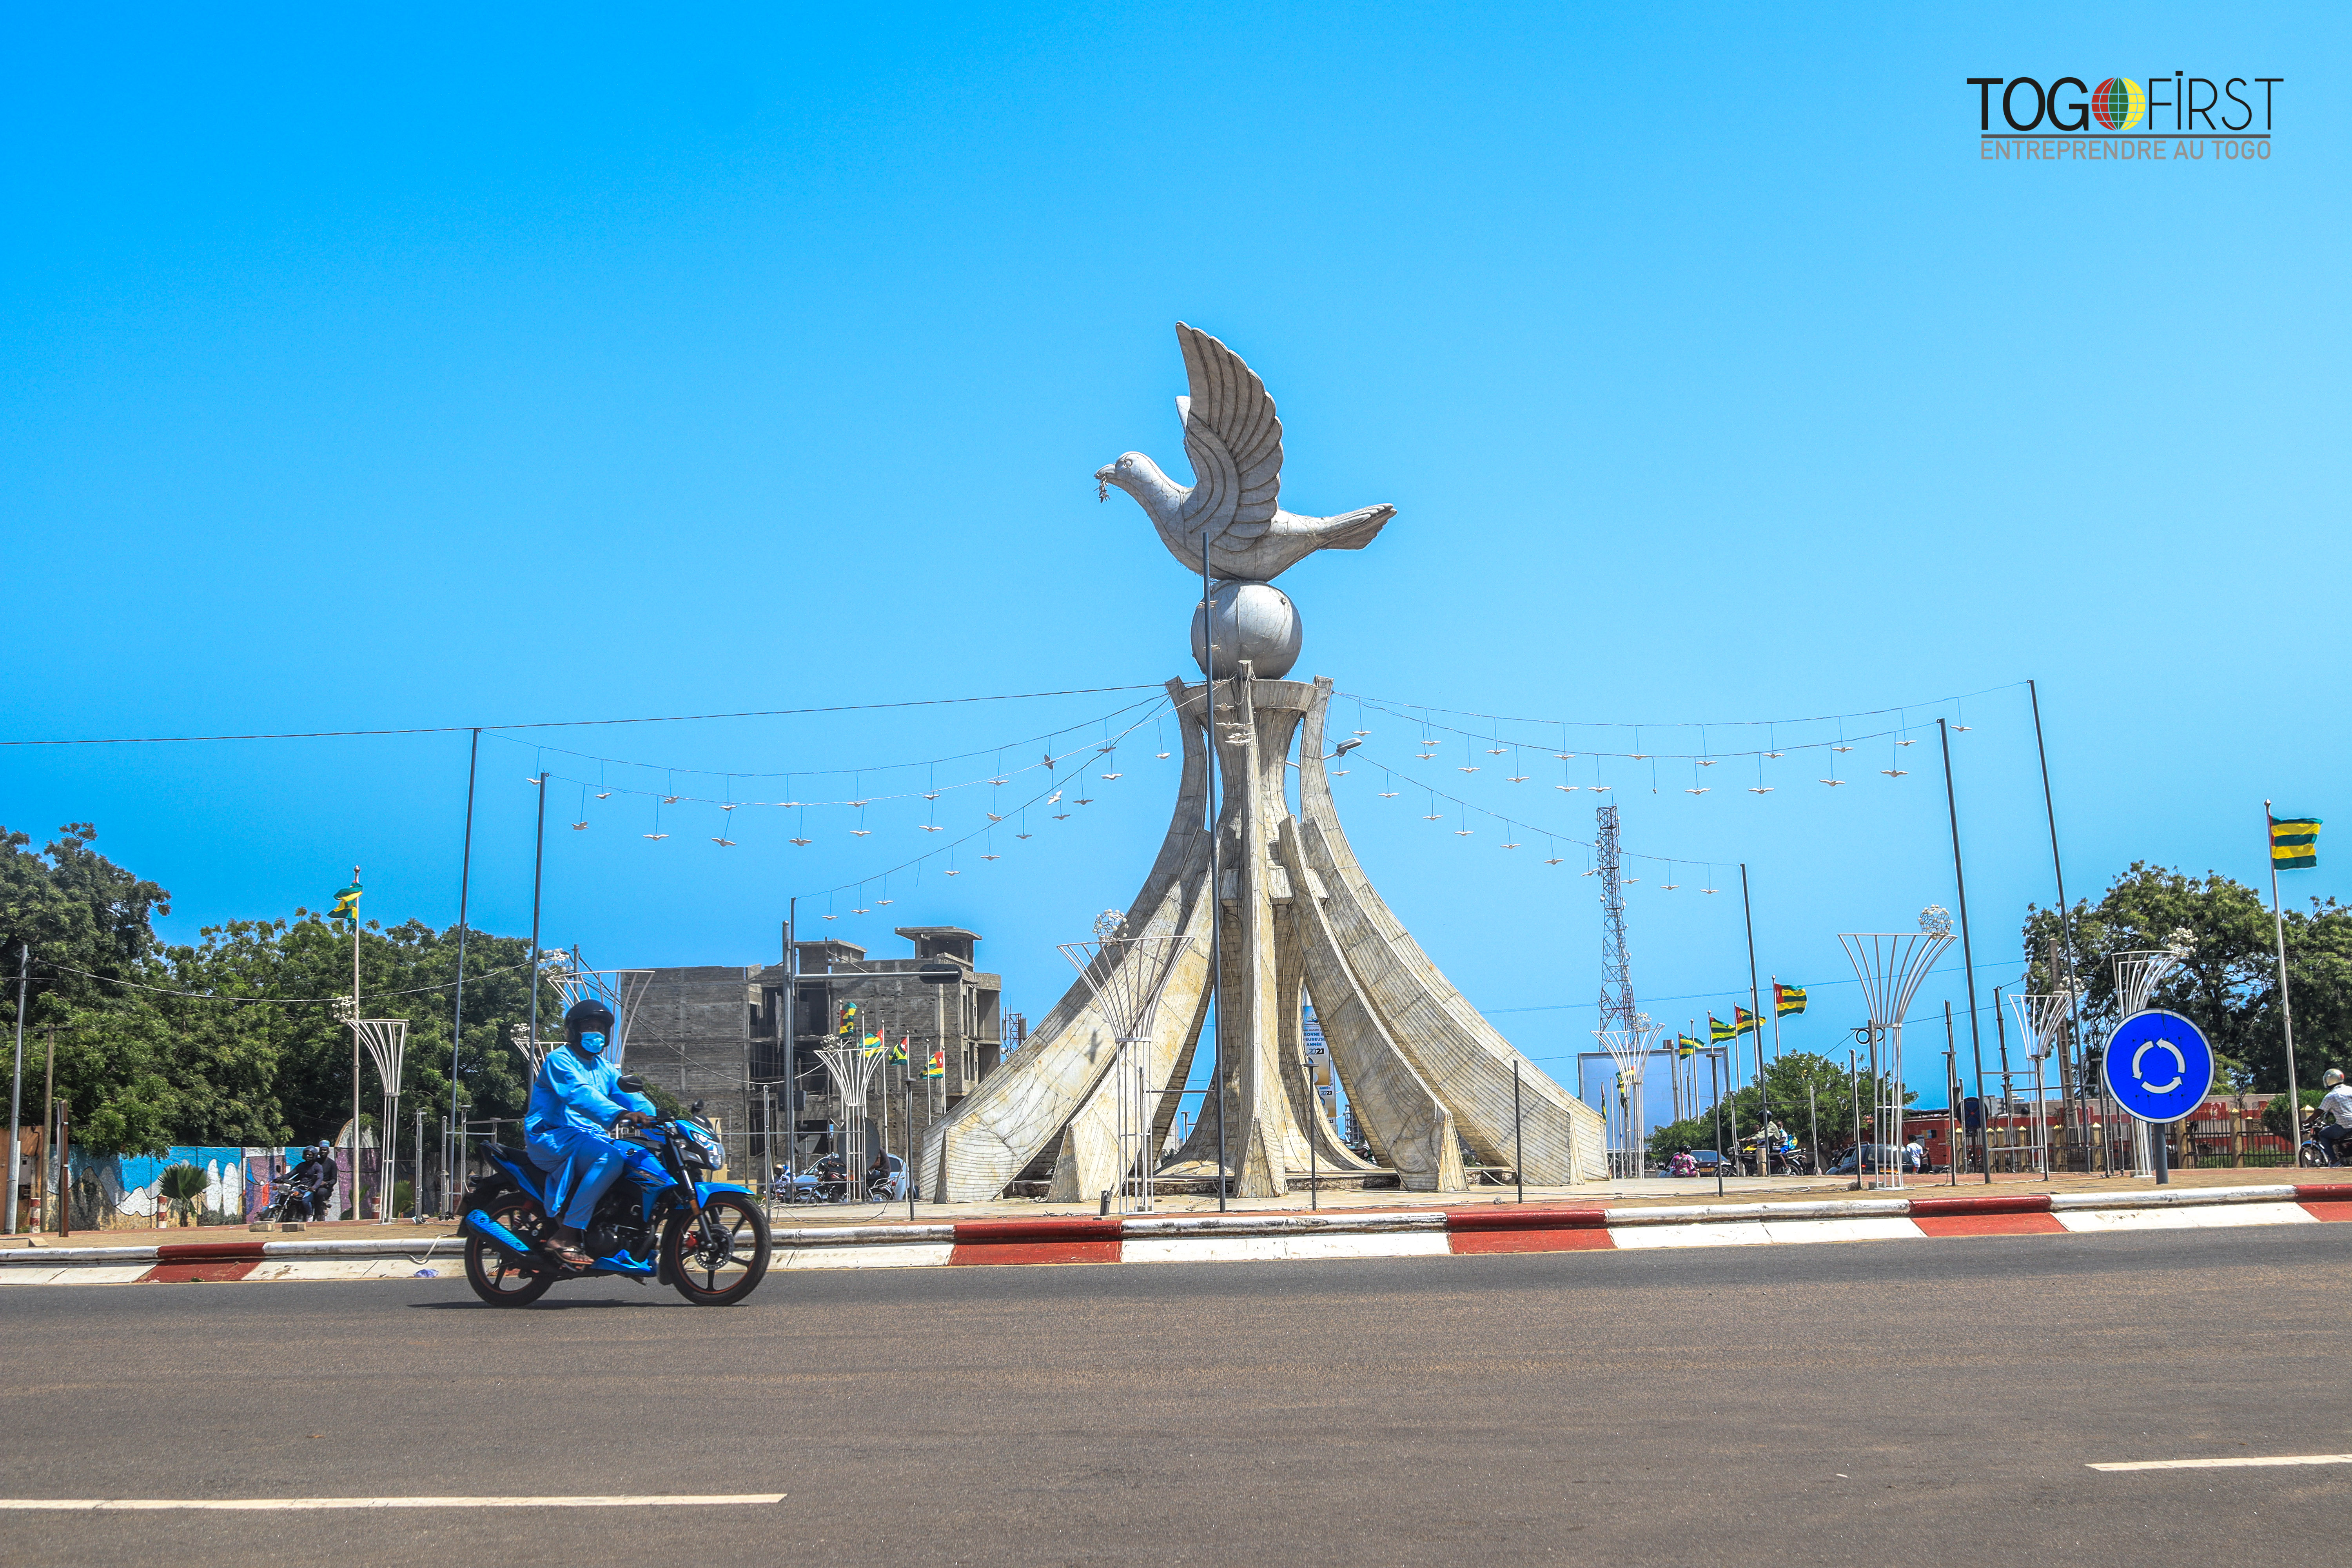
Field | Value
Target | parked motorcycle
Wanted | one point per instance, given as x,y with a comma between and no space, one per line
707,1240
820,1183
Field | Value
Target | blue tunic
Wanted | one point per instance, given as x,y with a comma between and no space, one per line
573,1104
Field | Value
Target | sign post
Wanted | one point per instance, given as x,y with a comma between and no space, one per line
2158,1068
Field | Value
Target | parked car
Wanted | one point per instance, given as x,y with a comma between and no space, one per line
1704,1161
1876,1157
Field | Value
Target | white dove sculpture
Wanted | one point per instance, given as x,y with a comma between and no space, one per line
1234,443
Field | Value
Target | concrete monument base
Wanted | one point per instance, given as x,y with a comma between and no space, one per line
1298,919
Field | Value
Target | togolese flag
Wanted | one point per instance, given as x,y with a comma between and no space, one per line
2294,842
938,1064
1717,1031
1687,1046
848,1029
898,1051
1787,1000
873,1044
1743,1021
347,905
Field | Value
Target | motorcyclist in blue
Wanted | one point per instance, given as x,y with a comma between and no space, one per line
577,1105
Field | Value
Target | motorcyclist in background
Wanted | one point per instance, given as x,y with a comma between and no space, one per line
577,1109
314,1179
2335,1112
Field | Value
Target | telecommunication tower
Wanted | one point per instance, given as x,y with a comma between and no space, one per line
1617,1010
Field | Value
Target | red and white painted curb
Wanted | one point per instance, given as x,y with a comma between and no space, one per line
1235,1238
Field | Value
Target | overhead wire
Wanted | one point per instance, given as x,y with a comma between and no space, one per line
1419,708
583,723
268,1001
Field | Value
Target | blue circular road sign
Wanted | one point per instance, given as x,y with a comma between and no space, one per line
2158,1066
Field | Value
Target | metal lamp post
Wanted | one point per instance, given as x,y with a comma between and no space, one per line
1890,965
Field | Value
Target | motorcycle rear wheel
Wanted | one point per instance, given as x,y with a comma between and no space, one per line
721,1260
495,1280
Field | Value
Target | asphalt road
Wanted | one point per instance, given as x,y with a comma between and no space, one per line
1913,1403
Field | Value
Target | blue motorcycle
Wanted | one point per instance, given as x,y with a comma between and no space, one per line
707,1239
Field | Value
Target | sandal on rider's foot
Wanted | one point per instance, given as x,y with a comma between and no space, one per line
568,1253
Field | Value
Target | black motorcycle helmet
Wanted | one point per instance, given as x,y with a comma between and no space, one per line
585,1014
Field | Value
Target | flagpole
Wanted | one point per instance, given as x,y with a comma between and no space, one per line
1776,1016
1756,1020
2286,1012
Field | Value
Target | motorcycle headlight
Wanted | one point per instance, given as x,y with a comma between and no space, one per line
701,1149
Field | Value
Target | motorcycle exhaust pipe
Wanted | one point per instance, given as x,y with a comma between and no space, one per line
516,1249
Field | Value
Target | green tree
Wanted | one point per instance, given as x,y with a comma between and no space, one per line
234,1040
2227,983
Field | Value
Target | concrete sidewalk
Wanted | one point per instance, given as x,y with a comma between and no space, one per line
1644,1193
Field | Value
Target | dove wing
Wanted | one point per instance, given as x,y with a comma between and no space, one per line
1233,440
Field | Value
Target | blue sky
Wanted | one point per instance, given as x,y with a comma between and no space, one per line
424,369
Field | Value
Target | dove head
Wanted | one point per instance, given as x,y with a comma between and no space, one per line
1140,477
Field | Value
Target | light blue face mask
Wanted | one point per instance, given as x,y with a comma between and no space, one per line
591,1042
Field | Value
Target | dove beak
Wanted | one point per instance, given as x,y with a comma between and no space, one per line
1107,473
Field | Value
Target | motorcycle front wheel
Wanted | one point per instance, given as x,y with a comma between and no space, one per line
2312,1157
720,1259
495,1280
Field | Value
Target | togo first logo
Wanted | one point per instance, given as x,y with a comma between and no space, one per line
2229,119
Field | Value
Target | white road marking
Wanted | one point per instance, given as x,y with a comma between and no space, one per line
100,1505
2246,1461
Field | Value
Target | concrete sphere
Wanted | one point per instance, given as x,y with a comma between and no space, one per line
1255,621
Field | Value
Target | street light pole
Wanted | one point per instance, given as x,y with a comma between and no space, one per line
359,1189
2065,915
457,1008
1968,955
1216,873
17,1082
1756,1020
538,860
1715,1085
